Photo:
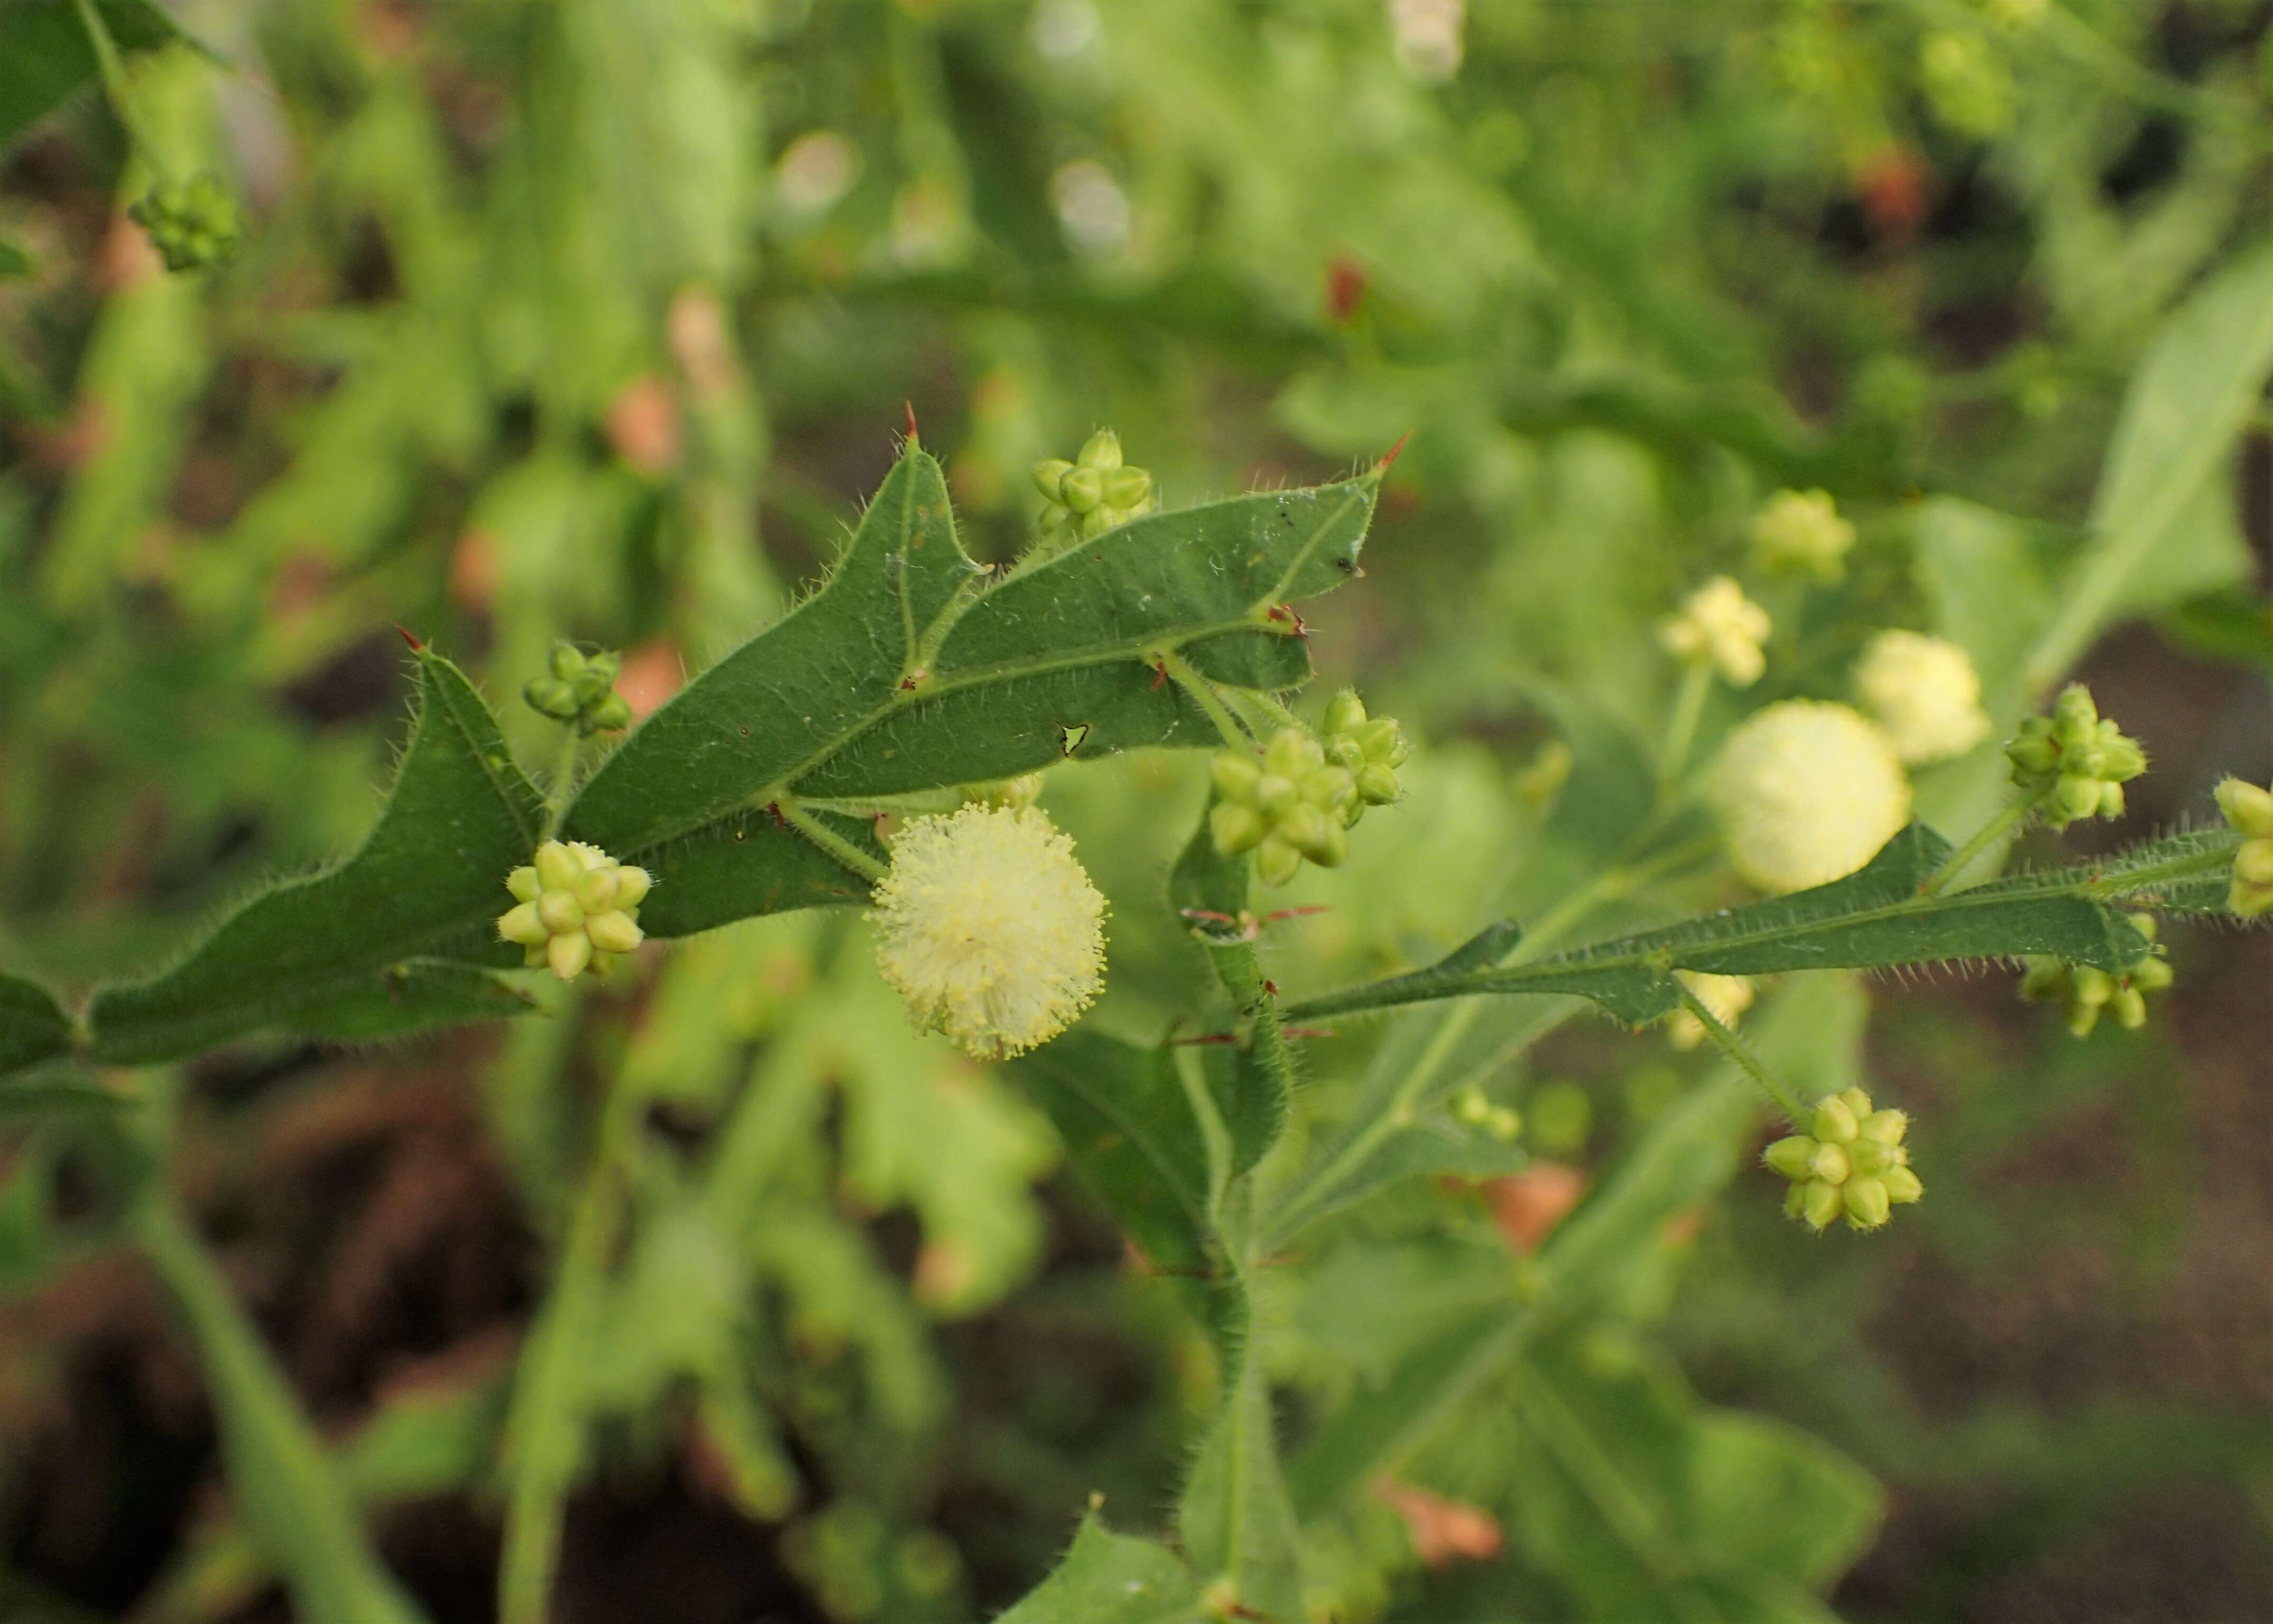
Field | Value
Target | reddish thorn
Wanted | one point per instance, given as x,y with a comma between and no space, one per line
913,438
1382,466
1304,912
410,637
1269,987
1205,1037
1210,914
1159,674
1307,1032
774,808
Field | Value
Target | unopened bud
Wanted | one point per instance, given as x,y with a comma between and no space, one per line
1101,449
1833,1122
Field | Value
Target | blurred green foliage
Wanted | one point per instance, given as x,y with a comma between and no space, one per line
595,319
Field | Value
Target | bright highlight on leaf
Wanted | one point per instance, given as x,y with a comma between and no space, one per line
988,926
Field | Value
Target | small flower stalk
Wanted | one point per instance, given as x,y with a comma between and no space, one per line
1805,792
578,689
1720,626
988,927
1093,493
1924,692
1850,1163
577,909
2248,808
192,223
1800,533
2074,761
2088,992
1305,793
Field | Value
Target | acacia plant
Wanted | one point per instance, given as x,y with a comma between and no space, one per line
870,744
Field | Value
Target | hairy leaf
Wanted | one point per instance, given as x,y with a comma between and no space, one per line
1128,1123
1236,1517
33,1026
913,668
357,952
1252,1079
49,56
1873,918
1109,1578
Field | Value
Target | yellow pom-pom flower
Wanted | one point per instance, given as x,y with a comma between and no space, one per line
988,927
578,909
1721,625
1800,533
1806,792
1727,996
1924,692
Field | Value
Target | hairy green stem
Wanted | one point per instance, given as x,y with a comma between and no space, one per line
828,840
1740,1052
1203,692
1681,732
560,788
1995,830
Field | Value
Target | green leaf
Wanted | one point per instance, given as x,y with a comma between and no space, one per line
33,1026
359,953
1109,1578
1434,1147
1128,1123
2161,520
1874,918
913,668
49,56
294,1503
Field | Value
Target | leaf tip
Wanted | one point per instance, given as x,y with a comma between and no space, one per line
410,637
1381,469
915,438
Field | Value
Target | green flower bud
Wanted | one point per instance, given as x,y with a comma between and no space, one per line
2088,992
1332,788
576,909
1127,490
1383,741
1820,1203
1852,1164
1304,828
1473,1106
1277,795
2033,754
611,715
566,661
2252,862
550,697
1236,775
1292,753
1866,1203
1345,751
1101,449
1276,861
191,223
1235,827
1379,786
1081,489
2248,807
1049,476
2075,760
1794,1157
1345,712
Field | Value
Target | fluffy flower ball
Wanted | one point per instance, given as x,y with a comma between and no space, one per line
1719,624
988,927
1924,692
1800,532
1806,792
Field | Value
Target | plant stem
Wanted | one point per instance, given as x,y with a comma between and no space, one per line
562,784
1995,830
828,840
1739,1052
1204,695
1681,732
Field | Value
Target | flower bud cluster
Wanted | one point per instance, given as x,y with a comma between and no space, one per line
1306,793
581,689
2088,991
1850,1163
191,223
2075,759
1800,533
578,908
1477,1110
2250,810
1720,626
1093,493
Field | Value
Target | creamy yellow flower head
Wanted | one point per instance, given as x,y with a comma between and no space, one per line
1720,624
1800,532
1924,692
988,927
1728,997
1806,792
